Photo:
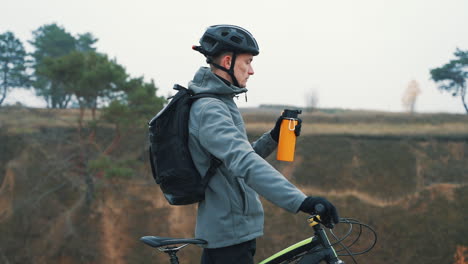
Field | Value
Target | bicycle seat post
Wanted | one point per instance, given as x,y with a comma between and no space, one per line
172,252
173,256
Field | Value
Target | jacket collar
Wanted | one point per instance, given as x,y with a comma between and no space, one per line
205,81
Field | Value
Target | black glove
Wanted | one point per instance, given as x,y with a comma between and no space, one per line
330,215
276,130
274,133
297,129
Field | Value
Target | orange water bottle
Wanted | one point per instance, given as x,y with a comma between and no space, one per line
287,136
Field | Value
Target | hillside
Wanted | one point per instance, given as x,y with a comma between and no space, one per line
406,175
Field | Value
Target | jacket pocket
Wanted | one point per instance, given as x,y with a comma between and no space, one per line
244,196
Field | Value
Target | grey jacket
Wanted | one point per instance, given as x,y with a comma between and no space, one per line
231,212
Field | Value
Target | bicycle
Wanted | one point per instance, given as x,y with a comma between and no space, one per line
312,250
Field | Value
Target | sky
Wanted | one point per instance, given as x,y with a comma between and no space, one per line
359,54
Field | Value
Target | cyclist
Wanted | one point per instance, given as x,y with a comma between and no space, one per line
231,216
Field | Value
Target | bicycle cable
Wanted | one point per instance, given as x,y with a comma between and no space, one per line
347,247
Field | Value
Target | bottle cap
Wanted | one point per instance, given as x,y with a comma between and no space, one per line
287,113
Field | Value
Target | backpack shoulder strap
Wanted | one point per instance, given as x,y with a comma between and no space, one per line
203,95
214,162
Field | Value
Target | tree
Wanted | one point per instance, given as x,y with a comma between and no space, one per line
85,42
12,64
409,97
133,110
311,100
141,98
129,114
89,76
102,78
50,42
452,76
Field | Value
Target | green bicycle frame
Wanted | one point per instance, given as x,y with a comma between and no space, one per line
287,250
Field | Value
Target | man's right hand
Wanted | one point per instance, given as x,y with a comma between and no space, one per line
330,215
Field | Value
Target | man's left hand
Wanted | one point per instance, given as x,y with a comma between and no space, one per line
275,132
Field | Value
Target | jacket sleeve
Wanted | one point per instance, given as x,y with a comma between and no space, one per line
219,136
265,145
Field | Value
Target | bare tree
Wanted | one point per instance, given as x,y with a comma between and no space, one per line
409,97
311,100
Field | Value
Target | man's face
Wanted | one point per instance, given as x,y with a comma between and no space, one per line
243,68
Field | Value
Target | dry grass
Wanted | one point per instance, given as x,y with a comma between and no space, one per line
24,120
364,123
379,128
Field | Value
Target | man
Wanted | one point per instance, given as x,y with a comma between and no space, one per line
231,216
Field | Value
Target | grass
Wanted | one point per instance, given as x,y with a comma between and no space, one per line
377,128
21,120
366,123
28,120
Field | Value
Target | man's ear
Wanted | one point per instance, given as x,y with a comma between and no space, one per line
226,61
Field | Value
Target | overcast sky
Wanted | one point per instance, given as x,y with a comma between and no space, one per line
358,54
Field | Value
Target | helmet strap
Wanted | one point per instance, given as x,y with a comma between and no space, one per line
230,71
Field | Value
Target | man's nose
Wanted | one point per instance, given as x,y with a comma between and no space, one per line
251,70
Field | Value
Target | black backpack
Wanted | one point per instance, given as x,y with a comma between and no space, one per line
171,163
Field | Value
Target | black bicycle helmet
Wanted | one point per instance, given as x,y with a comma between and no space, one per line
226,38
223,38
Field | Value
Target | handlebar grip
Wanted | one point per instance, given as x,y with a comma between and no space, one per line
319,209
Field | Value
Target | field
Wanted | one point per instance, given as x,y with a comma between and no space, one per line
406,175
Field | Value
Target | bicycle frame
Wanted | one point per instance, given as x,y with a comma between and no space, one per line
289,252
311,250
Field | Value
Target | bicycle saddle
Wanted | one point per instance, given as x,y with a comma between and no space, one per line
156,241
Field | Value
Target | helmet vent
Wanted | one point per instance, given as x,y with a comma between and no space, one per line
224,33
211,42
236,39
